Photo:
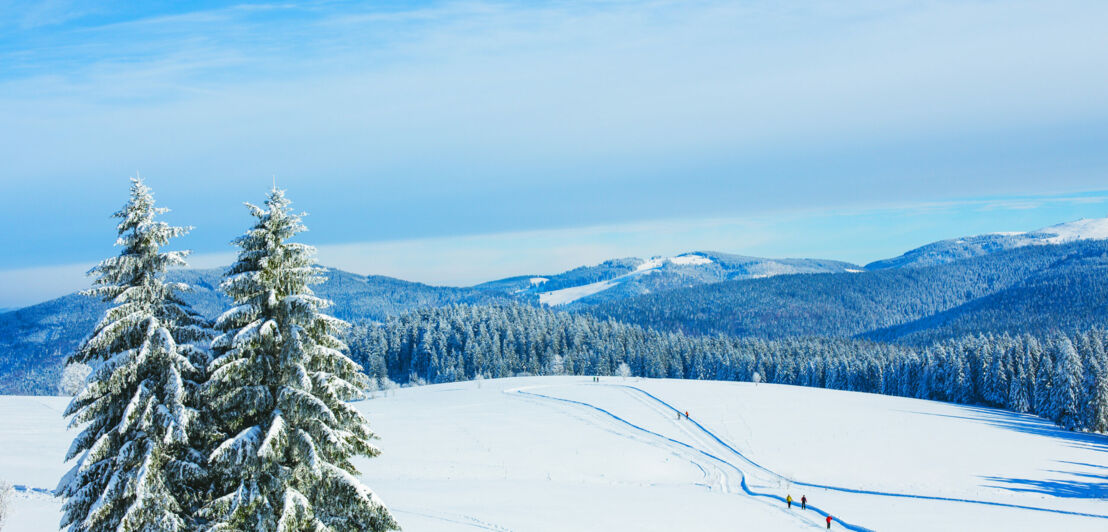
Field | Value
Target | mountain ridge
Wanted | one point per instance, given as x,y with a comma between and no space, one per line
1006,287
951,249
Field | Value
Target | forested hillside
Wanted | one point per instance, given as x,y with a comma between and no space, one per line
1072,295
849,304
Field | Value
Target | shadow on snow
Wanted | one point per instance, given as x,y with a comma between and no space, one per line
1027,424
1092,487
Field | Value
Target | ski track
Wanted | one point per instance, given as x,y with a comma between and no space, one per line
21,488
719,440
711,478
466,520
742,475
746,459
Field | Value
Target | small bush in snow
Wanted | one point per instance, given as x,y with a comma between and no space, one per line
5,496
73,378
624,370
387,385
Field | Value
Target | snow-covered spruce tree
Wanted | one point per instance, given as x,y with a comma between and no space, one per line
1099,389
136,460
278,391
1066,391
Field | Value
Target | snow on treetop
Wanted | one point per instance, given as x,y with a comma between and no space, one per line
690,260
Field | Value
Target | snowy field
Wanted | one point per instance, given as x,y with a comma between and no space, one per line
564,453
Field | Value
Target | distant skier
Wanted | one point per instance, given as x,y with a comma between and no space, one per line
789,501
678,415
829,522
803,502
686,414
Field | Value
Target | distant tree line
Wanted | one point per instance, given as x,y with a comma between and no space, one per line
1061,377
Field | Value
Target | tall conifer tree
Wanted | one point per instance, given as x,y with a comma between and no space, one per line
1066,393
136,462
278,393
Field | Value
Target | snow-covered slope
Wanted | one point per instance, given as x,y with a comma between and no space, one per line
945,251
653,265
639,276
563,453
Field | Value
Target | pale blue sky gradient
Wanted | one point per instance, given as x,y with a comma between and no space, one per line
419,130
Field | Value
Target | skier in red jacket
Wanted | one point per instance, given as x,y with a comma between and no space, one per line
829,522
803,502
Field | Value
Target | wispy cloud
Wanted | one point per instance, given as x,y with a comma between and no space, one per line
402,122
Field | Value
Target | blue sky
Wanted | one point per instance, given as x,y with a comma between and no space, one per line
456,142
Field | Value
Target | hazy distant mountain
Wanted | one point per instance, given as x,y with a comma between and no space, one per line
620,278
1069,295
945,251
35,340
1027,289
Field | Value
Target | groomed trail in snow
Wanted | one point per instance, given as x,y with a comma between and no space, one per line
811,509
853,490
564,453
670,410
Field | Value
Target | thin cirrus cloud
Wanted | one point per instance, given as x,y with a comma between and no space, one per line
402,122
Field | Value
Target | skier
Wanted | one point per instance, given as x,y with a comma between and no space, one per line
678,415
829,522
803,502
789,501
686,414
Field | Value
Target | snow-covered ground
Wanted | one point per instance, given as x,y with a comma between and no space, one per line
564,453
569,295
1083,229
